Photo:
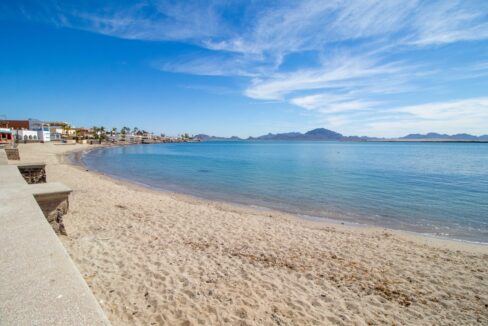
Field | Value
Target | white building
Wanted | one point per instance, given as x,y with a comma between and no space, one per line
35,124
24,134
56,133
44,135
42,129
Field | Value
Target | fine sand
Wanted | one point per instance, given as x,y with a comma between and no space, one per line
161,258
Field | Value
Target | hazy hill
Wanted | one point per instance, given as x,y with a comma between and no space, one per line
436,136
207,137
315,134
329,135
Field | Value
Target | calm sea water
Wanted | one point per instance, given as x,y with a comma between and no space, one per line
434,188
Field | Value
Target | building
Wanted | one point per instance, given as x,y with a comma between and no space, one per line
57,124
27,135
35,124
83,133
44,135
42,129
14,124
56,134
6,136
37,130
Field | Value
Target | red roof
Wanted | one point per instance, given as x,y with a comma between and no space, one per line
14,124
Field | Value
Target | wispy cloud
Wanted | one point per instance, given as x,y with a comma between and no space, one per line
332,103
279,27
204,65
442,22
459,116
339,72
473,108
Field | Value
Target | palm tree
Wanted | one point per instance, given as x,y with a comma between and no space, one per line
95,131
103,134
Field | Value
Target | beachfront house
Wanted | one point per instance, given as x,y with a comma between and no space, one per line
44,135
20,130
14,124
42,129
56,130
6,136
56,134
82,134
26,135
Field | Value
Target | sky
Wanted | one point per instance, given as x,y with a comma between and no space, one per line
246,68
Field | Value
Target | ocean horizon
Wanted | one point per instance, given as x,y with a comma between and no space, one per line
438,189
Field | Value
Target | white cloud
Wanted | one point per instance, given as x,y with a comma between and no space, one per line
475,108
208,66
342,71
459,116
277,27
443,22
332,103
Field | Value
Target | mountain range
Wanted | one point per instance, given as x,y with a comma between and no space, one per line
326,134
205,137
433,135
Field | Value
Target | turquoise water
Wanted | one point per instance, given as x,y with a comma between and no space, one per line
434,188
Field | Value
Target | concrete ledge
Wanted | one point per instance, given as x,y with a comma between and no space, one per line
12,154
33,172
53,199
39,284
3,157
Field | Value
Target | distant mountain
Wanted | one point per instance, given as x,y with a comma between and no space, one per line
322,134
204,137
436,136
315,134
430,135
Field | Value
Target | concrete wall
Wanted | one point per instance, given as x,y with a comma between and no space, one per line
12,153
39,284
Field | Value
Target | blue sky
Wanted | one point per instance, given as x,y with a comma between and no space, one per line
376,68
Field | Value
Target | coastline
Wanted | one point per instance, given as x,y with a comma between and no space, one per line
336,219
163,257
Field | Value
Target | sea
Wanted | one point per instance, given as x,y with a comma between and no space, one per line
436,189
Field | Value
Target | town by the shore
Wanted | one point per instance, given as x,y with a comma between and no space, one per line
163,258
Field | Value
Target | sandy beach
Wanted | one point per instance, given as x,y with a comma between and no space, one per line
158,258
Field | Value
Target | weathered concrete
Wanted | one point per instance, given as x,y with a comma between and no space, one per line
54,203
12,153
39,284
3,157
33,172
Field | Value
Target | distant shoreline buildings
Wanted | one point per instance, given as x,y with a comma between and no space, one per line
34,130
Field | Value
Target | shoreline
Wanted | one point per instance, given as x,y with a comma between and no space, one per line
77,161
152,257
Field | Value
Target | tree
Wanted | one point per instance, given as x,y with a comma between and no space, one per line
95,131
102,133
125,130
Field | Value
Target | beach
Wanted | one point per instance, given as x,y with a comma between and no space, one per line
153,257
